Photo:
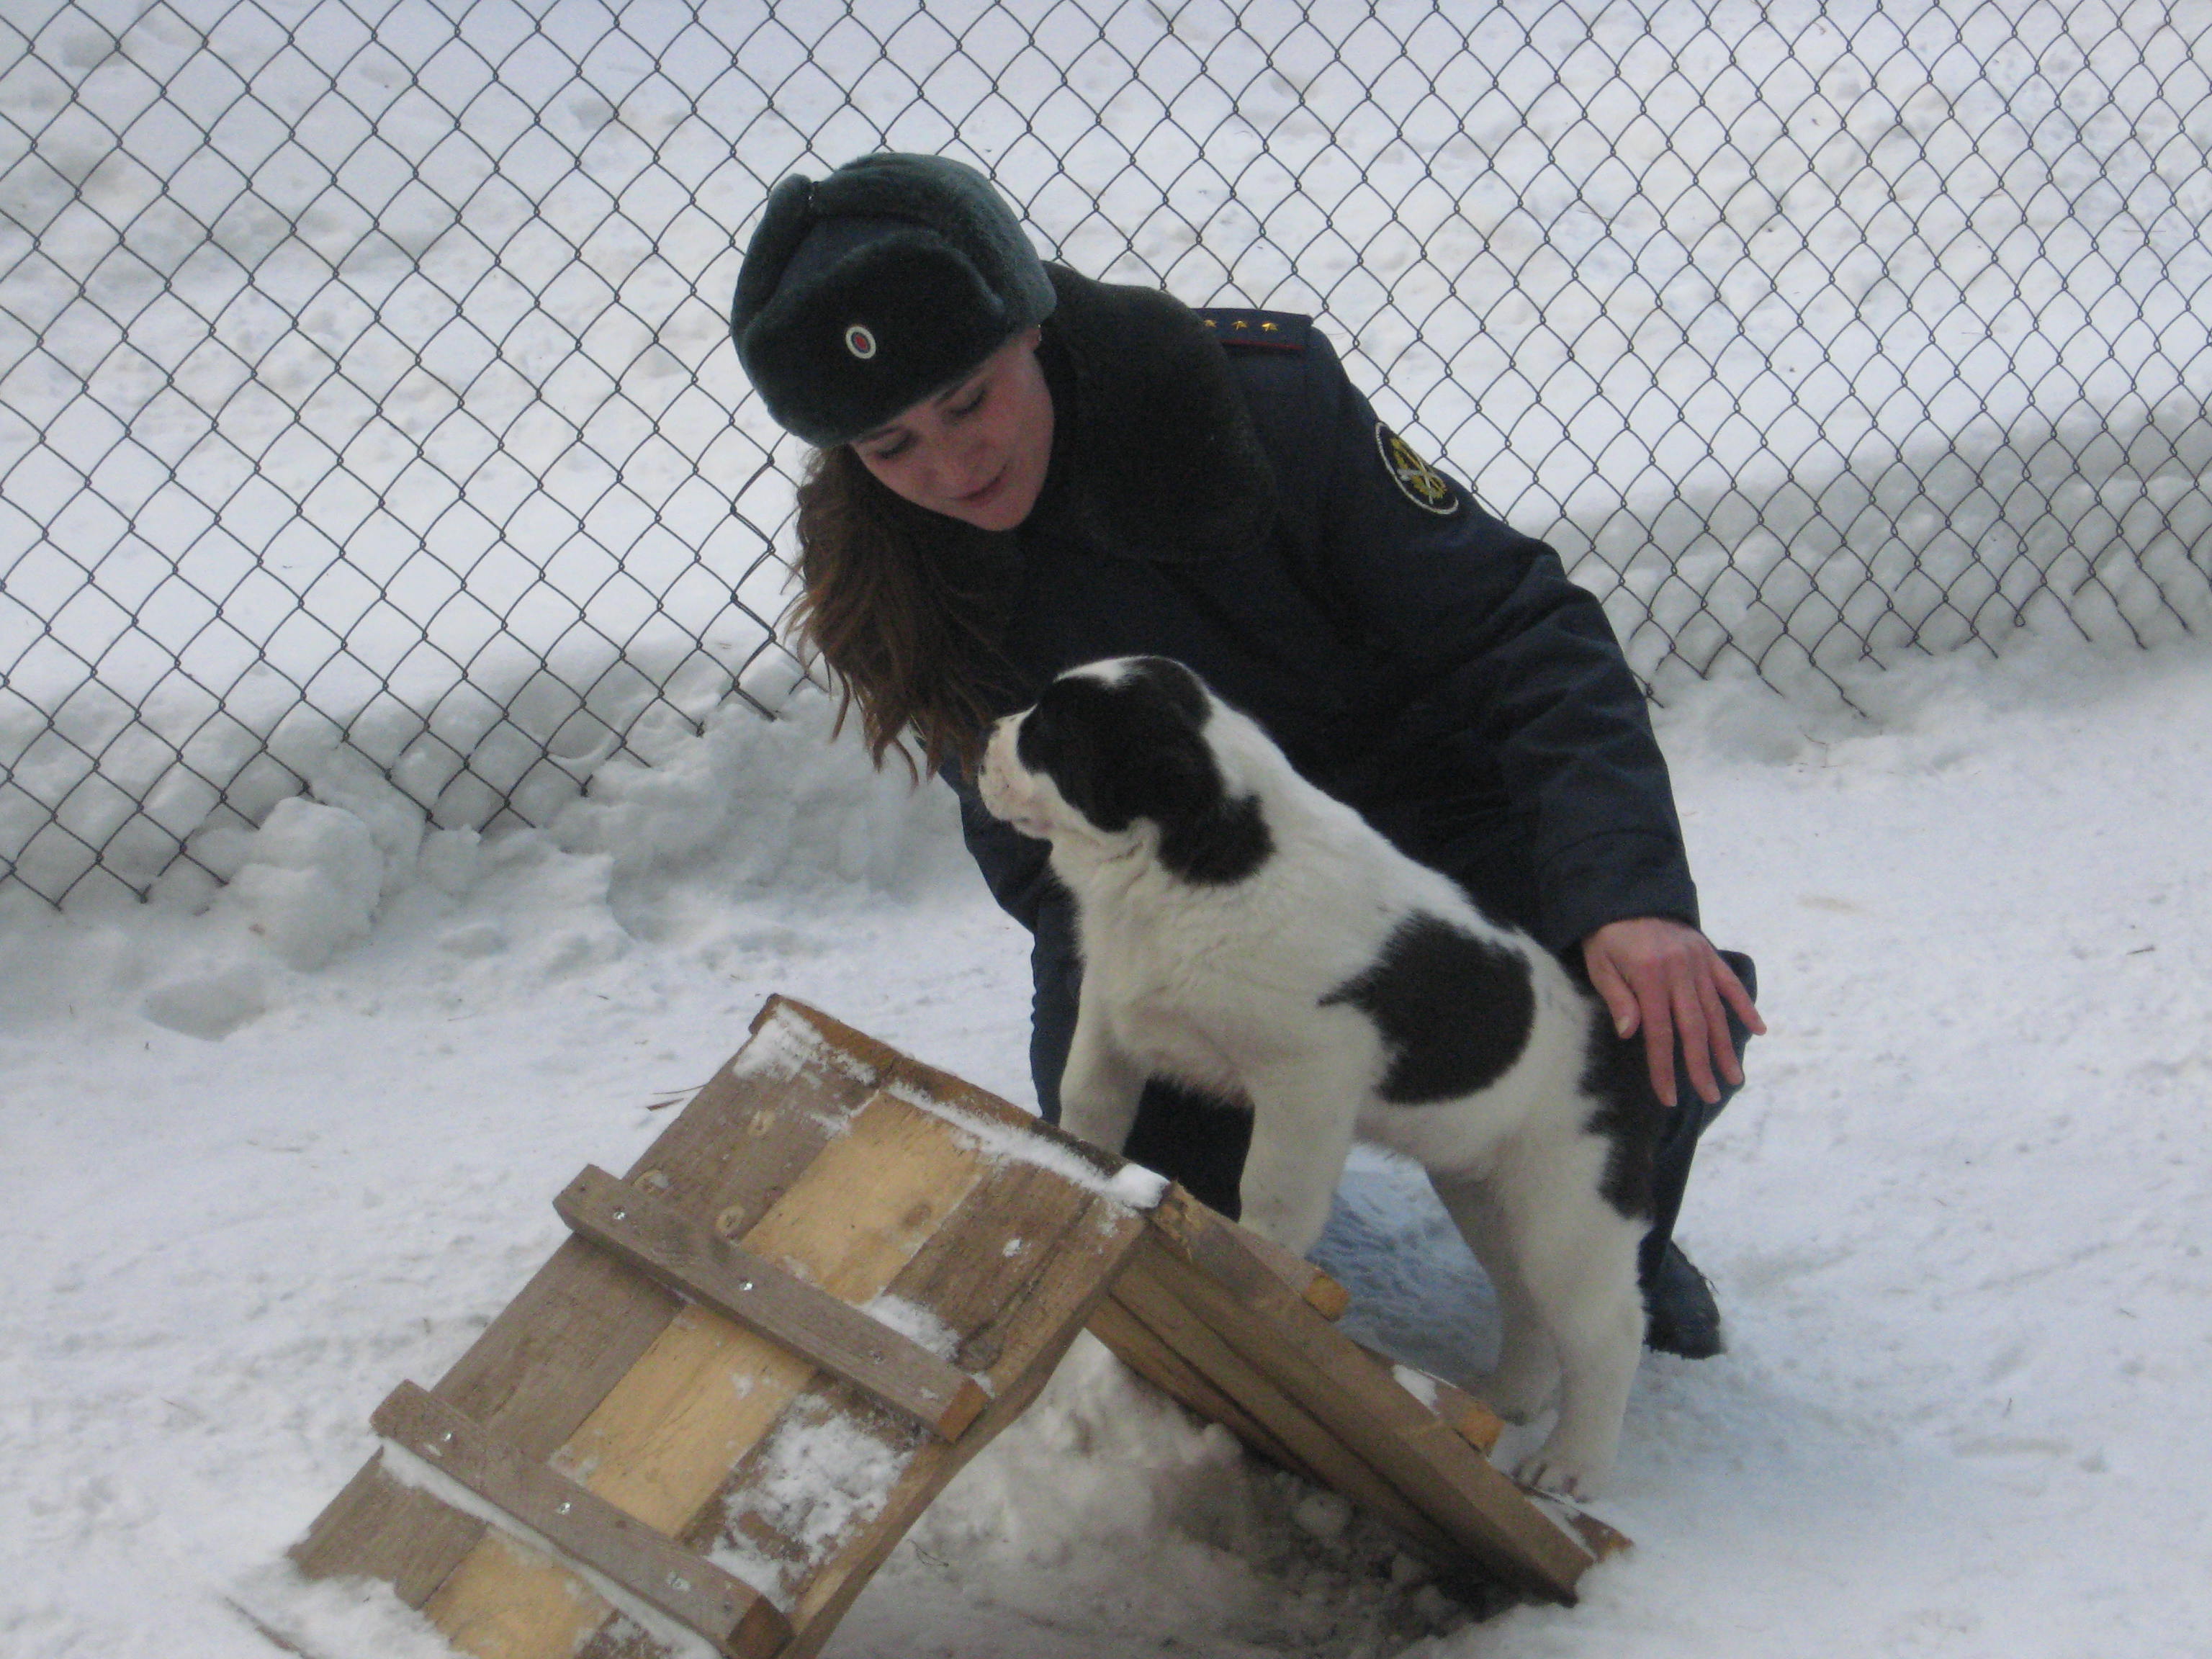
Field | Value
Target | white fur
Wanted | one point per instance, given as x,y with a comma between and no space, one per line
1221,987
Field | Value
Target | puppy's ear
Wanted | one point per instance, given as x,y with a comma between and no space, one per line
1057,742
1208,835
1178,687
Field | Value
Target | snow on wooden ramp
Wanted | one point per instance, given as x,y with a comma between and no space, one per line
839,1272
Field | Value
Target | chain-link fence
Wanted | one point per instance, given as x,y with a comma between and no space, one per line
364,384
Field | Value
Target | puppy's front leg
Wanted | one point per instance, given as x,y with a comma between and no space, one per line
1100,1086
1303,1117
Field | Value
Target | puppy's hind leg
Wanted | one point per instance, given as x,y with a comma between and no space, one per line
1100,1086
1577,1259
1527,1373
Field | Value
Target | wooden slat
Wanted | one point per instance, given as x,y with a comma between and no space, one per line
1134,1344
763,1298
376,1527
1149,1289
589,1530
1310,1284
662,1441
726,1158
1601,1540
855,1050
509,1597
1467,1417
1232,1293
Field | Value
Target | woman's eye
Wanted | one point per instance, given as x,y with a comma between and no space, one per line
890,452
973,402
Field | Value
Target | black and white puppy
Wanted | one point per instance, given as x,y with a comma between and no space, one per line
1247,935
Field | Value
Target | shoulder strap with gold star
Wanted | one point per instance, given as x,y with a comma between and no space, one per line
1257,330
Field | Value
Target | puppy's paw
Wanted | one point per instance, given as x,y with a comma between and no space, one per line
1550,1472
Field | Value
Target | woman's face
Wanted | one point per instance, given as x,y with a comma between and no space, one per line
977,451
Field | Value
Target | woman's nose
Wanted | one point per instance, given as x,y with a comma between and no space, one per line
961,465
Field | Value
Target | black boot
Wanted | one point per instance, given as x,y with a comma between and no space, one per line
1681,1314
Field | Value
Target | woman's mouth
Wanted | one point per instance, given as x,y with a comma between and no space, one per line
976,497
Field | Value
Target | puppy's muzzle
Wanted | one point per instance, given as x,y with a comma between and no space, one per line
1009,793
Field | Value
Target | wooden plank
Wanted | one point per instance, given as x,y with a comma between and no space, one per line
586,1529
1601,1540
554,1353
508,1598
728,1157
378,1529
551,1354
1006,1279
894,1071
1310,1284
1080,1270
989,1255
554,1357
1235,1297
1181,1223
544,1361
1135,1345
1467,1416
757,1294
660,1444
1150,1289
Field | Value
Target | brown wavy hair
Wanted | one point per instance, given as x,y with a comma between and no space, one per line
898,602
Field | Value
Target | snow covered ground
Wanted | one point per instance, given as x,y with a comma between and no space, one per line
249,1180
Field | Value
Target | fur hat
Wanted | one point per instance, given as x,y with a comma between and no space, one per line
862,294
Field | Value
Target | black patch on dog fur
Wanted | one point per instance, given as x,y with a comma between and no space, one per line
1628,1115
1455,1011
1134,749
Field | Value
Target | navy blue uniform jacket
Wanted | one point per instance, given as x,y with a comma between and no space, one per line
1239,506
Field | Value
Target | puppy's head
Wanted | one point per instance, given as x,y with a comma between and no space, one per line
1116,757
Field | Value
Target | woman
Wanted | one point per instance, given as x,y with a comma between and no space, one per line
1020,470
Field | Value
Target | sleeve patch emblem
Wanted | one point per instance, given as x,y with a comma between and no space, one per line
1417,481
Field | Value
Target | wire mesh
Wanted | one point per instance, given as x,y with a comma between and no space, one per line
365,388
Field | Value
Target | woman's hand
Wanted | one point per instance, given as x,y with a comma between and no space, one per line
1664,978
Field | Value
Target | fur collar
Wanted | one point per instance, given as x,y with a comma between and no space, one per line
1154,454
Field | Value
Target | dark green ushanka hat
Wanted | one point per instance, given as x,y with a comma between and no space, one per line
862,293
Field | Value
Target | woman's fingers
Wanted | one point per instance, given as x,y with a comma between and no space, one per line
1664,978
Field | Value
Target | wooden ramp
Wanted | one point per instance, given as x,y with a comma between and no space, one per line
835,1277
